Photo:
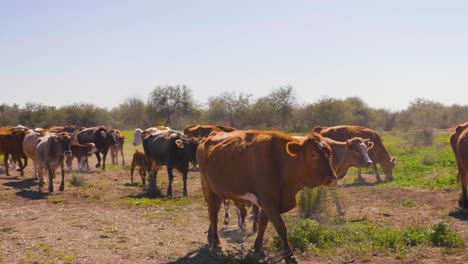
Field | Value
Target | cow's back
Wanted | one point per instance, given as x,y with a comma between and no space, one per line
459,144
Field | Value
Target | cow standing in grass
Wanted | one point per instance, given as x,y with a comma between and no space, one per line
172,149
459,143
265,168
378,154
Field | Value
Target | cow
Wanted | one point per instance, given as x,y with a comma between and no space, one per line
352,153
378,154
266,168
50,153
459,143
139,160
202,131
31,139
81,153
101,138
139,134
172,149
117,148
11,143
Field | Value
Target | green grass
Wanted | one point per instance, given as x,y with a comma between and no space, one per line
77,180
363,239
43,253
167,204
430,167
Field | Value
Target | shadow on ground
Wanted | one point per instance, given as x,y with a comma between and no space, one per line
461,214
201,255
17,183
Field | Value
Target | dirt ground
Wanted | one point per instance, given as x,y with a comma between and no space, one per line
95,223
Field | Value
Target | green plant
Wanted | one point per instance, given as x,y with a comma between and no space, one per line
77,180
443,236
408,202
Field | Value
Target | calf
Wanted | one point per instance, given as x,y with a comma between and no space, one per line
139,160
117,148
81,152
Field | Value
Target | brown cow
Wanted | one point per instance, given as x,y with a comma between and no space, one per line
139,160
266,168
352,153
81,152
459,143
117,148
202,131
11,143
378,154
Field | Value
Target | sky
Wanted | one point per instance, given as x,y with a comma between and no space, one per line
388,53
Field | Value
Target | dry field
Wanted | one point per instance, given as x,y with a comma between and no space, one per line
107,221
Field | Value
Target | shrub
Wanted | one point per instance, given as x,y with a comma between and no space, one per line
77,180
421,137
443,236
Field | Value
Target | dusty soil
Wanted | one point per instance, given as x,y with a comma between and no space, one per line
95,223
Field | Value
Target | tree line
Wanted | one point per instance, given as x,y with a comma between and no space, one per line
175,106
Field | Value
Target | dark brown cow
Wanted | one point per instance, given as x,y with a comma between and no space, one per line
139,160
11,143
50,153
378,154
459,143
101,138
263,167
202,131
117,148
81,153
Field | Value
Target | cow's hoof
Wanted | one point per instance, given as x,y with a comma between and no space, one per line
291,260
98,165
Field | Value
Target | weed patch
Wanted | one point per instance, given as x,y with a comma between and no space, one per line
77,180
43,253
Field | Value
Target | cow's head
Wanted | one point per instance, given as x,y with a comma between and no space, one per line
315,155
190,147
358,148
64,139
387,167
137,137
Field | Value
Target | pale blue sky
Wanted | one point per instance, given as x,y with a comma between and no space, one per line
102,52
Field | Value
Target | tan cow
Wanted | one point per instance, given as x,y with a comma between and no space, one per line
459,143
265,168
117,148
50,154
30,143
378,154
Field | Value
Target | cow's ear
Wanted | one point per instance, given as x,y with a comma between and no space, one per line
103,133
368,143
293,148
179,143
460,128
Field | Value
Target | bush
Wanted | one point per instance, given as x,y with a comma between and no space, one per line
443,236
77,180
421,137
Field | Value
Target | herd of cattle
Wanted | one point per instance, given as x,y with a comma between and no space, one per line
264,169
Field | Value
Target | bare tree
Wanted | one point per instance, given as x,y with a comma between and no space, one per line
166,101
228,107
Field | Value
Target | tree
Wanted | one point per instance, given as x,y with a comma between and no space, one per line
228,107
131,113
283,100
167,101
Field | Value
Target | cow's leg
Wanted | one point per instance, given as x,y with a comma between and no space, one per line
36,167
171,178
122,156
51,177
262,225
226,211
280,227
184,179
98,157
463,201
241,214
5,162
113,156
62,183
376,171
41,178
21,166
104,155
214,204
132,169
255,210
142,173
359,176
